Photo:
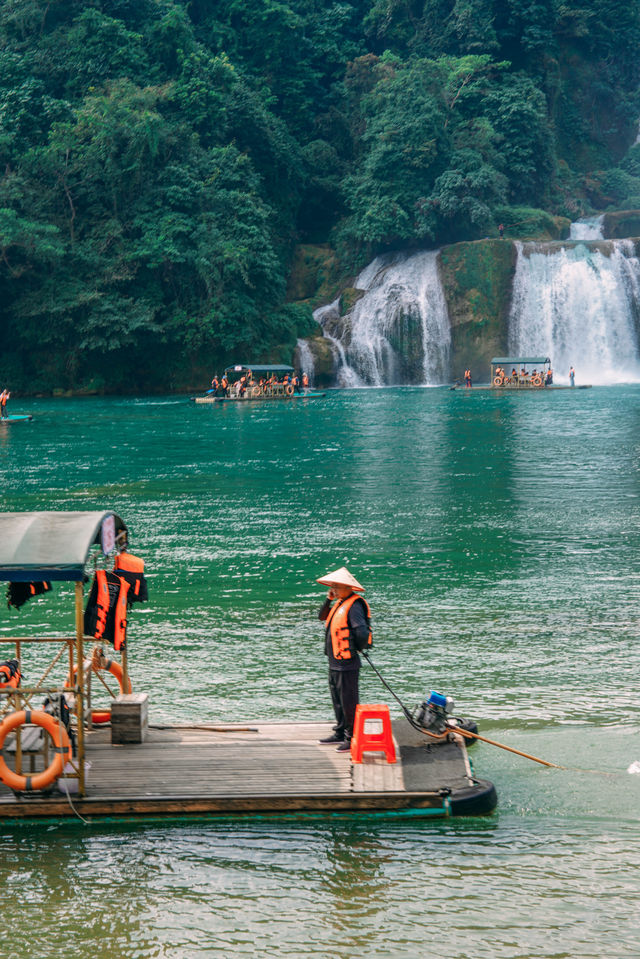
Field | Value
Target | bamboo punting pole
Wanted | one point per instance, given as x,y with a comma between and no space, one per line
80,683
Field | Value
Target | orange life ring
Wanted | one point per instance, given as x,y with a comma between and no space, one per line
289,389
255,391
536,381
62,749
100,716
497,381
112,667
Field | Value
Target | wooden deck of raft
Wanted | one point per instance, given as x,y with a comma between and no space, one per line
262,768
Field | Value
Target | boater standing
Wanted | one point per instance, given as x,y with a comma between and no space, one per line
347,620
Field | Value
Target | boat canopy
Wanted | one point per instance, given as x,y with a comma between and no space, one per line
522,360
53,545
259,368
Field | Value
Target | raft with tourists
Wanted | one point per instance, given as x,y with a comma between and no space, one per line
520,373
258,382
67,754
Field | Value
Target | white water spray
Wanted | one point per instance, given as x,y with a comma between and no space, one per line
589,228
304,359
579,305
398,331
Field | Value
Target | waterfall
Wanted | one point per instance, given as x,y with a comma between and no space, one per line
304,359
398,332
579,304
589,228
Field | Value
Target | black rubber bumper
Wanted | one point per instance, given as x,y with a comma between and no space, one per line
480,799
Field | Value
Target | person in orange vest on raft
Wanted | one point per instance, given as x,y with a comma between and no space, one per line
4,397
347,620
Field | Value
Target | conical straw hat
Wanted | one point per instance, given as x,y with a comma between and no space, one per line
341,577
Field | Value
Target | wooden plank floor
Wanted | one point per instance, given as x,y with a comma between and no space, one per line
265,767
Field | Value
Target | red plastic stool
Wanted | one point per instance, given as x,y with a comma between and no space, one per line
363,742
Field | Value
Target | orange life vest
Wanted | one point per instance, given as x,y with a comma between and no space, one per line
337,623
132,569
10,674
103,602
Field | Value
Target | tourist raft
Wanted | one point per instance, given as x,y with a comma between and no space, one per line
64,755
519,373
257,382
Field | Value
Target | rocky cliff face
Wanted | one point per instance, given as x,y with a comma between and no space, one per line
477,280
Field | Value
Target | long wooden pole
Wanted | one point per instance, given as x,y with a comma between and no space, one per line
80,683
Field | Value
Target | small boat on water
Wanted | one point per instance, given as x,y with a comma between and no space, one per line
18,418
257,382
118,763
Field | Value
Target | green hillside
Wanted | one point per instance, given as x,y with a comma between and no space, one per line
166,165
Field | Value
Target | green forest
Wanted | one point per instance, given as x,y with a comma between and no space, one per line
163,162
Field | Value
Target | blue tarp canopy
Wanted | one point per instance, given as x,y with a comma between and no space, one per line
53,545
522,360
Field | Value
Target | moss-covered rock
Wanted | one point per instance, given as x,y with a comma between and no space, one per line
621,224
477,279
529,223
348,299
323,359
315,275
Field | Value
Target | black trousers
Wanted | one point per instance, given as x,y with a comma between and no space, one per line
344,695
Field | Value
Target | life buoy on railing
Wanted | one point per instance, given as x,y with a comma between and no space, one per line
111,666
536,381
61,748
497,381
289,389
255,391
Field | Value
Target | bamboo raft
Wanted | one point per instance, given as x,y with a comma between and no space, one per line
131,769
266,769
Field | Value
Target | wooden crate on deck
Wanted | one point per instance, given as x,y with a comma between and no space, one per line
130,718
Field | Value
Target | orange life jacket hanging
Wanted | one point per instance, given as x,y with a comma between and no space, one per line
19,593
131,568
105,616
10,675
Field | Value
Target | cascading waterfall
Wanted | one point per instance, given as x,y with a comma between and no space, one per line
398,332
304,360
589,228
580,305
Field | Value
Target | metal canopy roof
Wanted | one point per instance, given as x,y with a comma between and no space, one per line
51,545
525,360
259,368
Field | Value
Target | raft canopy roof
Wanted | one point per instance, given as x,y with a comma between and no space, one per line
259,368
522,360
53,545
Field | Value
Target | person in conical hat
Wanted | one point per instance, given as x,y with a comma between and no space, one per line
347,620
341,577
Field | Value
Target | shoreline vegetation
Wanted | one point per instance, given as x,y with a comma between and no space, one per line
182,184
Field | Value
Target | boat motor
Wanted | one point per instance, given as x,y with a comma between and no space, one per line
433,713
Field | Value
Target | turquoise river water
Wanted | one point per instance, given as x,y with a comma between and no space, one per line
498,539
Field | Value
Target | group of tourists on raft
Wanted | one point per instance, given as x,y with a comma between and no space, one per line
524,377
287,384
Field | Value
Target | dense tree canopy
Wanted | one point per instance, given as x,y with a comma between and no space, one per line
160,160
